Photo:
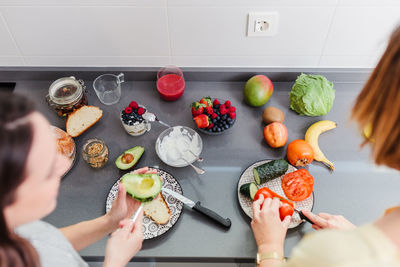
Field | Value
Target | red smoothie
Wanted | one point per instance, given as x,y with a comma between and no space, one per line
171,87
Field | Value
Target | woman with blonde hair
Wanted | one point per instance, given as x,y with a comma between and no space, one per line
342,244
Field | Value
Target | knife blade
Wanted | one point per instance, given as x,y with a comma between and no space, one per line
199,208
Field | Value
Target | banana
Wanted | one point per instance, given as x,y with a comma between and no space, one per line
312,136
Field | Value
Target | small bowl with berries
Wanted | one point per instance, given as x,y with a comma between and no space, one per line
213,116
133,121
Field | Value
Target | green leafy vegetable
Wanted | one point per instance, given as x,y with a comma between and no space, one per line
312,95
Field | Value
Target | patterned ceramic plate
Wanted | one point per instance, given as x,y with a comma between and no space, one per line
150,228
274,185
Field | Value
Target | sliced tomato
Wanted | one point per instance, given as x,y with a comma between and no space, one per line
298,185
286,208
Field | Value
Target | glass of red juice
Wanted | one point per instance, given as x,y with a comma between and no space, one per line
170,83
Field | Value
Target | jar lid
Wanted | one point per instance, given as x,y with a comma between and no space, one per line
65,90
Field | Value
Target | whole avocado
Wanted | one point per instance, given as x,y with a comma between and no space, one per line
258,90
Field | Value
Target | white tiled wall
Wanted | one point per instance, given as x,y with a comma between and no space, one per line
312,33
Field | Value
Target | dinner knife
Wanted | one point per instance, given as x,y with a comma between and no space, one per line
303,217
199,208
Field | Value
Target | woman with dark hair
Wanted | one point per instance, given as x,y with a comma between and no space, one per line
375,244
30,173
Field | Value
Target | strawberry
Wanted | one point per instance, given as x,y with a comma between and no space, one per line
206,101
216,102
227,103
197,109
128,110
232,109
133,105
202,121
214,115
232,115
141,111
209,110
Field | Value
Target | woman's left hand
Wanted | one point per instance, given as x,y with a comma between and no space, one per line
124,206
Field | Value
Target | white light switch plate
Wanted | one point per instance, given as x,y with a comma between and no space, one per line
262,24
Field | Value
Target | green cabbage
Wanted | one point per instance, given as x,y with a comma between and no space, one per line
312,95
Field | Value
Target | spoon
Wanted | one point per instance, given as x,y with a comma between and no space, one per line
148,116
196,169
198,158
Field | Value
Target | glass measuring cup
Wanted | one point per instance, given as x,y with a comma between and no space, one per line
108,88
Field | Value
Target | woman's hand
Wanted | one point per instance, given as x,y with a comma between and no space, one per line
124,243
328,221
269,231
124,206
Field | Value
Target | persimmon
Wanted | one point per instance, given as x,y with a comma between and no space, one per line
300,153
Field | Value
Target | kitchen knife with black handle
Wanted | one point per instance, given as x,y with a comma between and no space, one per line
199,208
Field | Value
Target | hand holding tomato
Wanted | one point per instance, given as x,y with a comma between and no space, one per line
269,231
286,207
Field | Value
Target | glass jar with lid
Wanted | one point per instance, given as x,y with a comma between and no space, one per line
66,94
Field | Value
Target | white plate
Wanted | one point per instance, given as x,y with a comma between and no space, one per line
275,185
150,228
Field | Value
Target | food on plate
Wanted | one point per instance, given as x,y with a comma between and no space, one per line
270,170
276,134
312,95
273,114
95,153
158,210
298,185
300,153
129,158
82,119
258,90
213,115
65,143
286,208
142,187
249,190
312,136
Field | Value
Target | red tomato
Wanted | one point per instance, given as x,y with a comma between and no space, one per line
298,185
286,208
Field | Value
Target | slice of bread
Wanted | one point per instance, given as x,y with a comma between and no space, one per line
82,119
158,210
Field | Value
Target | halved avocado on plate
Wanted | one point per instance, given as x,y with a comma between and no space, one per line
129,158
142,187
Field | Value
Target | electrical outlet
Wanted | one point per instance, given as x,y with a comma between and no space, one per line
262,24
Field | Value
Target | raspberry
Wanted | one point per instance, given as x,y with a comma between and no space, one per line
128,110
232,115
141,111
222,107
227,103
209,110
223,111
232,109
210,126
133,105
216,102
214,115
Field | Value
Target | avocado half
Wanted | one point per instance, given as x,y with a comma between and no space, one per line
129,158
142,187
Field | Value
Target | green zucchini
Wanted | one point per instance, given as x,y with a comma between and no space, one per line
249,190
270,170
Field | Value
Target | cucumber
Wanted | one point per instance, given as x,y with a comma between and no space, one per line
249,190
270,170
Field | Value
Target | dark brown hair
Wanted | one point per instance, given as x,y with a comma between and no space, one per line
16,136
379,105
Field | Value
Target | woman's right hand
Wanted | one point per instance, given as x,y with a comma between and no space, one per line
124,243
328,221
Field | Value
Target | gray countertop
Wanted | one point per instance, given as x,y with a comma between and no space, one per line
357,189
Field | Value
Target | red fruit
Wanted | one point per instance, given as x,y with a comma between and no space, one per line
232,115
197,109
209,110
206,101
216,102
214,115
222,107
133,105
223,111
276,134
227,103
128,110
232,109
141,111
210,126
202,121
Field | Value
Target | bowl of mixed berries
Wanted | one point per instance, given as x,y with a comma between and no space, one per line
213,116
133,121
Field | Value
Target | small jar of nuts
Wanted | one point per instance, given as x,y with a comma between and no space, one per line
95,153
